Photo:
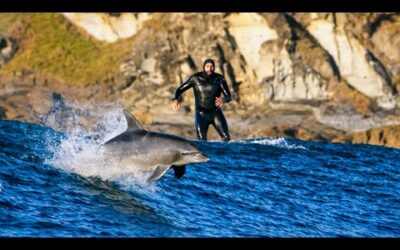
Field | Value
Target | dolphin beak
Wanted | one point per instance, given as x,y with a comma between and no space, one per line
201,158
195,157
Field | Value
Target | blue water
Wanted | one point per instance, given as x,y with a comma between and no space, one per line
251,188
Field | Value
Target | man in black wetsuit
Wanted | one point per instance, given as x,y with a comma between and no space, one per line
208,87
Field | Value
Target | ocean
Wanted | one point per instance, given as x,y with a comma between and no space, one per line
263,187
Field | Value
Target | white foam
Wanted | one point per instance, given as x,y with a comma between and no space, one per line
83,154
278,142
1,188
100,120
133,181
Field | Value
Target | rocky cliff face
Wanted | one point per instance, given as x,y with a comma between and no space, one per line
108,27
323,76
8,48
273,57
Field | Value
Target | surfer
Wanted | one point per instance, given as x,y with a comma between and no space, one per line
208,87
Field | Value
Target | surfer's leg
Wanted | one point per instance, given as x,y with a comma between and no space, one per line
201,124
221,125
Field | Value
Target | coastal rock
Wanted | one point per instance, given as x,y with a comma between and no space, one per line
384,136
355,63
108,27
312,76
8,48
2,113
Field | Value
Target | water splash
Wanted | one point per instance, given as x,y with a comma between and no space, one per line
101,121
136,182
278,142
87,128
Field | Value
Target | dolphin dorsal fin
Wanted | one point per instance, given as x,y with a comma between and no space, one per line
133,123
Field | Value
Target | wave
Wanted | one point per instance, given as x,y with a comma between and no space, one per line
60,176
278,142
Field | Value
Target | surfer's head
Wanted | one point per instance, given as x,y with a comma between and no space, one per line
209,66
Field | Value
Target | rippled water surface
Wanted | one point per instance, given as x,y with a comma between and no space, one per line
250,188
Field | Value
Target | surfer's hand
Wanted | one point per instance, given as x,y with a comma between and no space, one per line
219,101
175,105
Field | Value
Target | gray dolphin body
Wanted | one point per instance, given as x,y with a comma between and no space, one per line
153,152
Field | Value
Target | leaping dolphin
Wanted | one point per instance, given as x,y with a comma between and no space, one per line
152,151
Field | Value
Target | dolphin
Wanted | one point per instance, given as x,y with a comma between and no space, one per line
153,152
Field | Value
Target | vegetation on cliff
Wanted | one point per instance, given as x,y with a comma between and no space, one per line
50,45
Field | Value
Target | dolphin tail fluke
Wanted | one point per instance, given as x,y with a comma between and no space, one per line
179,171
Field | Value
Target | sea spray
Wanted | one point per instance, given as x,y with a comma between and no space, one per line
87,128
278,142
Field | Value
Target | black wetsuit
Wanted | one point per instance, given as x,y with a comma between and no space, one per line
206,89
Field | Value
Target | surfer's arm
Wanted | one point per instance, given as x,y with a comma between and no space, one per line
225,90
185,86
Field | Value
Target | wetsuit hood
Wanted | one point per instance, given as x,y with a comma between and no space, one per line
208,60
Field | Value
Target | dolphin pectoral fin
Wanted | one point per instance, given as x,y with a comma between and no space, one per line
179,171
158,173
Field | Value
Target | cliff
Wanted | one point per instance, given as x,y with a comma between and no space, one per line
313,76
